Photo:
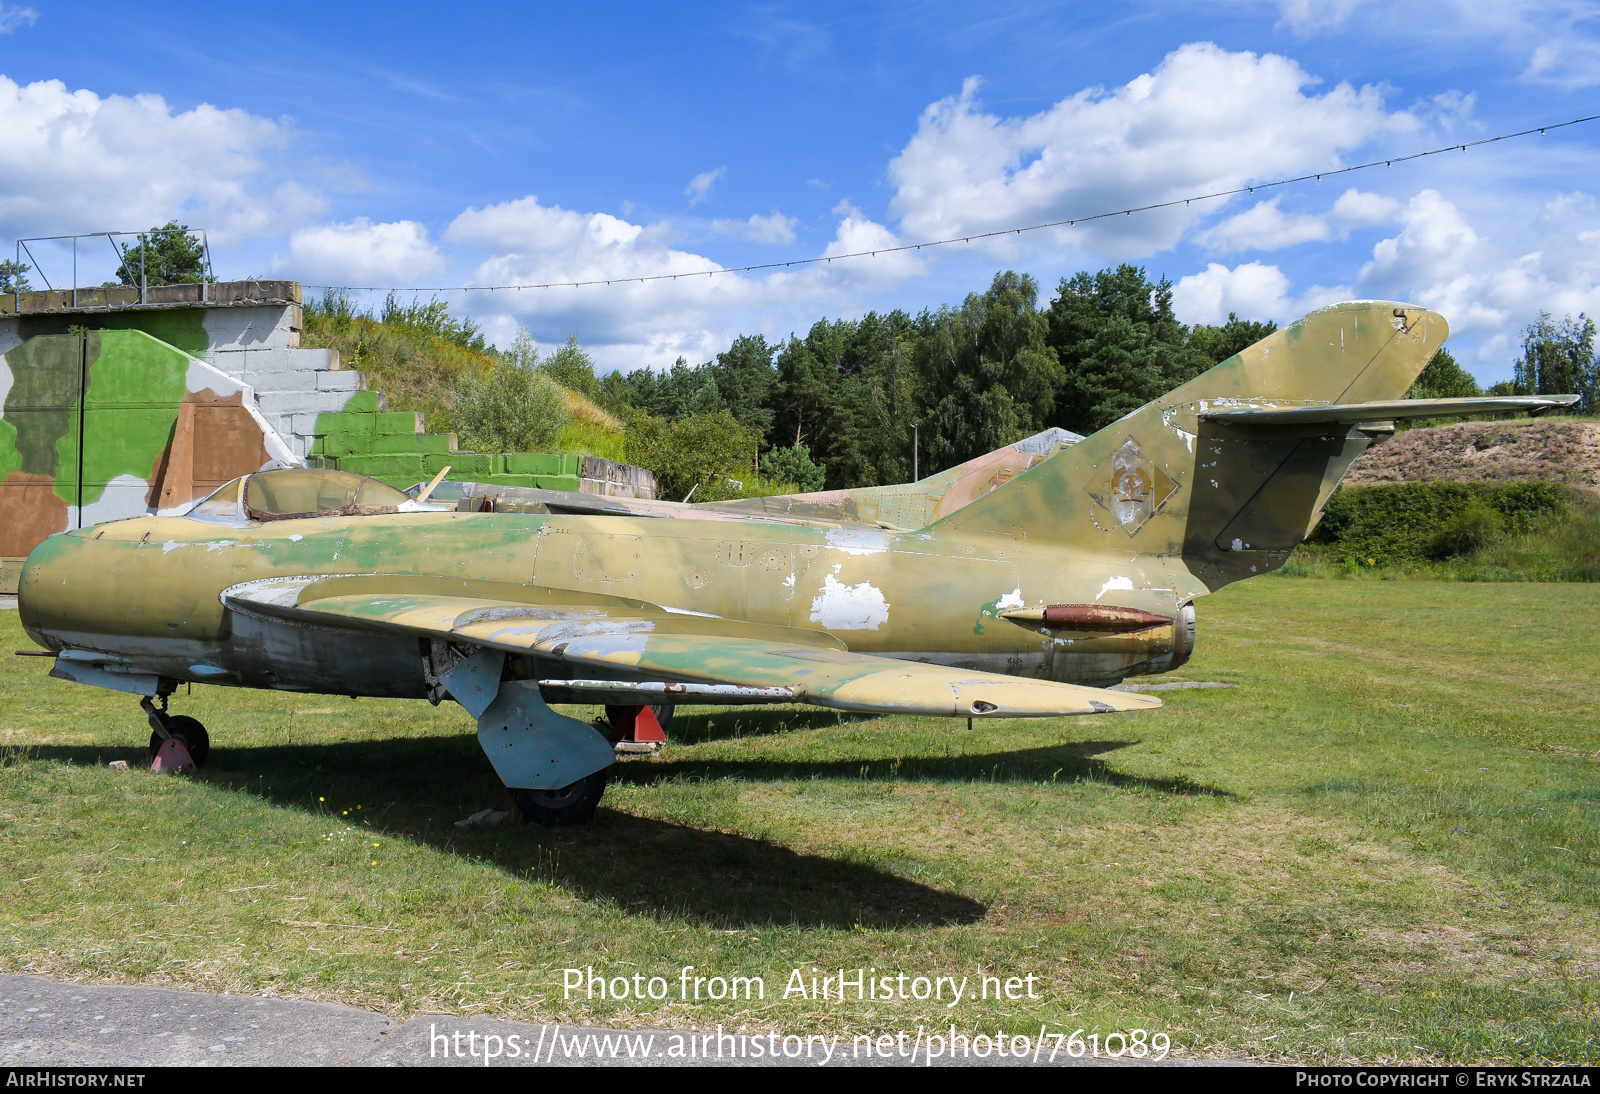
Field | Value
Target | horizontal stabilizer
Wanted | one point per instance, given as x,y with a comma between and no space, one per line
1353,413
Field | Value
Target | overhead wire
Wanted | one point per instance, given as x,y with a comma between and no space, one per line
1071,222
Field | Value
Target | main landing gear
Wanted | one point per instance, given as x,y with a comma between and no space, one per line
571,804
177,741
633,729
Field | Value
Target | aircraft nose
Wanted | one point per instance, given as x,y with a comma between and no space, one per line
52,586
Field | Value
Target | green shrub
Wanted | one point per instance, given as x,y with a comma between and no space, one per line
705,453
793,465
514,408
1420,521
1473,528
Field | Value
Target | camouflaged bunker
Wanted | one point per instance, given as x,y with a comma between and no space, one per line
118,404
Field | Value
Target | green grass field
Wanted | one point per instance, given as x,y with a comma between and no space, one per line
1384,844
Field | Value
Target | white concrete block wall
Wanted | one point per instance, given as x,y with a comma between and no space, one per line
264,326
292,385
340,381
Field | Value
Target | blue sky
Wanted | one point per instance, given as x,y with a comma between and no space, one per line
411,145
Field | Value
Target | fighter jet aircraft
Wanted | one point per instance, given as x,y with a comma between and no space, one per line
1026,602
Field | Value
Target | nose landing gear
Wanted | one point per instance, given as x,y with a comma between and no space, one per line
176,740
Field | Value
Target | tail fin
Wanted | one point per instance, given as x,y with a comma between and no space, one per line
1227,499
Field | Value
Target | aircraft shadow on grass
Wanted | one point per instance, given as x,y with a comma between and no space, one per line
1077,762
417,787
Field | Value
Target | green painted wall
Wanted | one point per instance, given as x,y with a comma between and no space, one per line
389,447
183,328
135,385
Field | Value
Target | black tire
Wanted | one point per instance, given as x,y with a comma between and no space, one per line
190,732
572,804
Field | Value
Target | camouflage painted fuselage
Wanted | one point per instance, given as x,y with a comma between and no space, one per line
149,589
1177,499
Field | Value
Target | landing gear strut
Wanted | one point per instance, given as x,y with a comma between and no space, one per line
183,738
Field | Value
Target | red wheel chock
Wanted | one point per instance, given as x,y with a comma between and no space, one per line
635,724
173,757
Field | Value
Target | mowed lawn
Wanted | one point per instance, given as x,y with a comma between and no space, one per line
1383,844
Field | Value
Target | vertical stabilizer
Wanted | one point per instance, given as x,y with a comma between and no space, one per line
1221,501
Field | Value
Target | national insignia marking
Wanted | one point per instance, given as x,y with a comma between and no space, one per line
1132,487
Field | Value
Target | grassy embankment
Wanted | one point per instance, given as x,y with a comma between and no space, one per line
1384,844
418,370
1515,500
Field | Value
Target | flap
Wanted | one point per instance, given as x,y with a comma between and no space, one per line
658,645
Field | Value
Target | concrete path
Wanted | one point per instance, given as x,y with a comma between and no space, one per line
43,1023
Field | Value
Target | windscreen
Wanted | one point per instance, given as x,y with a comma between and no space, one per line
223,503
313,492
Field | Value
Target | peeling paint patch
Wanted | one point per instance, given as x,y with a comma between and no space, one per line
993,608
170,545
858,541
1114,583
841,607
296,538
219,544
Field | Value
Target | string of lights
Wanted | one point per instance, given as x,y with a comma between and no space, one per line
1072,222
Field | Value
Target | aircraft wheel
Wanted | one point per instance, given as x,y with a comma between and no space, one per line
190,732
664,714
571,804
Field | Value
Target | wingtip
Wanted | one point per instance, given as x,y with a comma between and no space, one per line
1121,701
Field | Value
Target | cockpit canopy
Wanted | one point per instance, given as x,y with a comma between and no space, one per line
299,492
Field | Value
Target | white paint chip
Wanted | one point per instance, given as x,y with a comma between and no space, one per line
841,607
1114,583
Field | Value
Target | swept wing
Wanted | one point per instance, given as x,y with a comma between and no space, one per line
629,645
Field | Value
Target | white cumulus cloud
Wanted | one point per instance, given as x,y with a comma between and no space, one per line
72,161
1205,119
692,309
1264,227
1483,287
362,253
1250,289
